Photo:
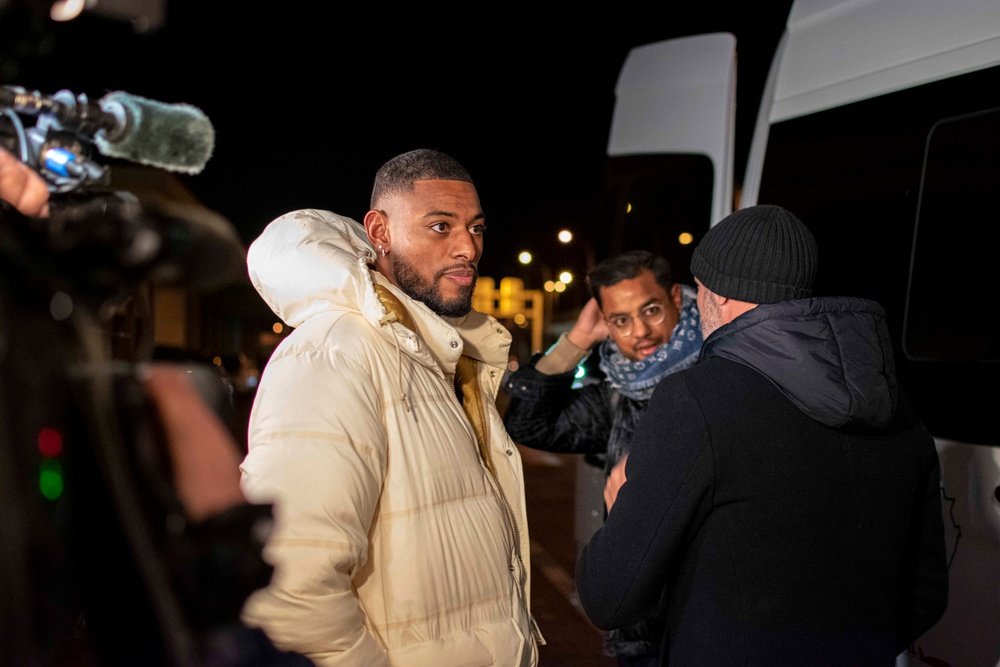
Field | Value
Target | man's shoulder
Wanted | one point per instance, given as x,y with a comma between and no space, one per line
711,375
321,324
340,333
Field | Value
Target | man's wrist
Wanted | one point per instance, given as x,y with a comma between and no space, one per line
580,341
562,357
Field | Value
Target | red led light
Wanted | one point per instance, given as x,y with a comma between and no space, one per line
50,442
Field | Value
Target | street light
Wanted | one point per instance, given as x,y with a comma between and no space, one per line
558,285
566,237
527,259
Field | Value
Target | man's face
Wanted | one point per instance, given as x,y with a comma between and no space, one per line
708,309
436,235
630,302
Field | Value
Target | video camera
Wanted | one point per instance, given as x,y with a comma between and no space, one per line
90,526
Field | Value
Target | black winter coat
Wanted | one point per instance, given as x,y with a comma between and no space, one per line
545,412
782,499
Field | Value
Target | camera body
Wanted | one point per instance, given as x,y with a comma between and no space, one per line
98,563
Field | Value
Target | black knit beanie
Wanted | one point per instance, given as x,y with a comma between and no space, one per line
760,254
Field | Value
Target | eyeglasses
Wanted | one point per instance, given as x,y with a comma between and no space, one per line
651,315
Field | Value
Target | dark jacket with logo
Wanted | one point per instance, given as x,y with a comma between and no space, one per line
546,412
782,499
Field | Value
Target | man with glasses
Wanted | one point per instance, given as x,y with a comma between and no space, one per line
644,327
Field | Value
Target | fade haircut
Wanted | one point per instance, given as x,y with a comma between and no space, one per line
398,174
627,265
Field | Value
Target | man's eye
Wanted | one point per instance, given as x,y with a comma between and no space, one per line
478,230
440,227
653,310
619,322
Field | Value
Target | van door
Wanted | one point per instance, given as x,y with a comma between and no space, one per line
669,173
880,128
670,148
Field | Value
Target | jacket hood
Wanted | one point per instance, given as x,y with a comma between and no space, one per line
832,357
309,261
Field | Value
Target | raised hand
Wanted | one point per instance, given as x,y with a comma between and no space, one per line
589,328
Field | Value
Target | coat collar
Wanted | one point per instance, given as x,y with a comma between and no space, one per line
477,335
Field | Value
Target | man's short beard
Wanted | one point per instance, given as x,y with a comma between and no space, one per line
409,280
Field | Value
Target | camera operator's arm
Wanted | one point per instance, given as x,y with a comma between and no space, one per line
203,455
219,564
22,187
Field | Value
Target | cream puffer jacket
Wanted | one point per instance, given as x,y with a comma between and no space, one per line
398,539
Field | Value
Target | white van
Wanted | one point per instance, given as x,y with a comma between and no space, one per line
879,126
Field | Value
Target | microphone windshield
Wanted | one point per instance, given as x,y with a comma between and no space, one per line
175,137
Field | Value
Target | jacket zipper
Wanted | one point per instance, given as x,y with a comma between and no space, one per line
515,526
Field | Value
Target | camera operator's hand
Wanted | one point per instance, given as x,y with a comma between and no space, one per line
203,455
22,187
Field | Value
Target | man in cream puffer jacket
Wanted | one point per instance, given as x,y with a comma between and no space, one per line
400,533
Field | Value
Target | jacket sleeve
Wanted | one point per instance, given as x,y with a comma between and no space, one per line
632,560
925,576
317,451
546,412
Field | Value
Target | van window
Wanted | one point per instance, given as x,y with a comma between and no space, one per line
899,191
651,200
956,244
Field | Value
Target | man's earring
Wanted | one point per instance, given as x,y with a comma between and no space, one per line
383,251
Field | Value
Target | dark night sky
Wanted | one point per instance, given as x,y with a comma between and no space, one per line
307,103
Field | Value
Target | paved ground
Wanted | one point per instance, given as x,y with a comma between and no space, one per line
571,640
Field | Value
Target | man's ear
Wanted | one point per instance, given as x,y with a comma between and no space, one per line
377,228
675,295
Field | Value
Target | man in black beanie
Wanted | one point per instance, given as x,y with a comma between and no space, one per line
781,496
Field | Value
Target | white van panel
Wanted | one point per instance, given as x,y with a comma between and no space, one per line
885,55
679,96
842,51
972,525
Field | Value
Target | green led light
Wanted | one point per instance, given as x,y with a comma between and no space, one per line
580,372
50,479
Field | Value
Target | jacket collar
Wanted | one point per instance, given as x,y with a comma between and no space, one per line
477,335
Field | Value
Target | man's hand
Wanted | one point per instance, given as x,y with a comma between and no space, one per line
589,328
614,482
22,187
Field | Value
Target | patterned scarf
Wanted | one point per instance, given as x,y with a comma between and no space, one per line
637,379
